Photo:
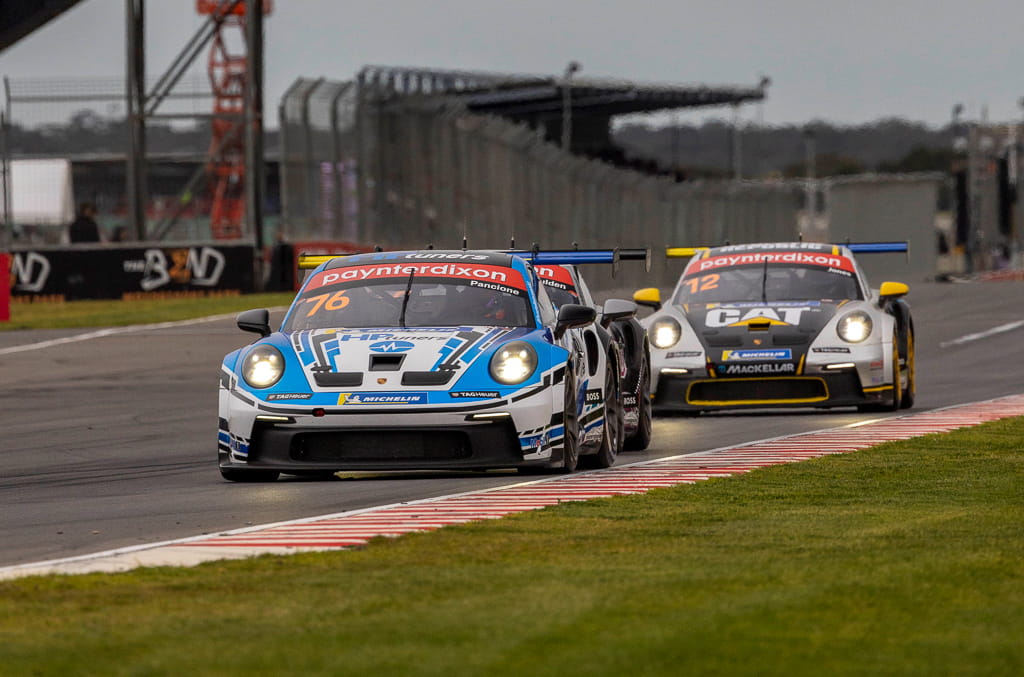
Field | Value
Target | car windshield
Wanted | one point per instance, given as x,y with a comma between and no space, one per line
329,301
560,295
774,282
557,280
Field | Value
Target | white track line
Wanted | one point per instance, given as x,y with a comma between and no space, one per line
967,338
113,331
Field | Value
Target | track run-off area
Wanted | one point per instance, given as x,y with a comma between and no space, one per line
108,445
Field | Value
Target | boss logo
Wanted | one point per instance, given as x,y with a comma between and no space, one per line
593,397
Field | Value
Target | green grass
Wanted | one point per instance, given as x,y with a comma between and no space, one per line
905,559
116,313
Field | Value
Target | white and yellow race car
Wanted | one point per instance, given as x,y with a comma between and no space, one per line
780,324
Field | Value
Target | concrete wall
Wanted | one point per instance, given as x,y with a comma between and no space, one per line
885,208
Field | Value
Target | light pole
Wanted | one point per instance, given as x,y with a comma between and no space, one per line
571,69
1018,216
735,150
809,172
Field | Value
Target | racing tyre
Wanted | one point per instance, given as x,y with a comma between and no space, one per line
614,431
641,439
910,392
897,385
570,424
237,475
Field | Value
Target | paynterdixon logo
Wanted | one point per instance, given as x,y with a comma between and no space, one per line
744,355
391,346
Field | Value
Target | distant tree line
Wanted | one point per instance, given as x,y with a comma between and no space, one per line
686,151
706,150
88,132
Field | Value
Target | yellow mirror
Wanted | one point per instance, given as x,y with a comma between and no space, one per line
893,290
649,297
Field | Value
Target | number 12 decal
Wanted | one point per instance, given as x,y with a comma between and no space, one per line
703,283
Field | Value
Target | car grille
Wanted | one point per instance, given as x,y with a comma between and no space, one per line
757,391
799,339
723,341
378,445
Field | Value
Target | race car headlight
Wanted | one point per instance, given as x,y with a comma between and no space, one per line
665,332
263,366
855,327
513,363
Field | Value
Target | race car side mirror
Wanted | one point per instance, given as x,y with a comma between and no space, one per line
892,290
617,310
257,321
649,297
572,315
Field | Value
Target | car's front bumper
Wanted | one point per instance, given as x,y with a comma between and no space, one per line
699,392
504,434
489,444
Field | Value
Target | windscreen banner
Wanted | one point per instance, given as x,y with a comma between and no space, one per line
136,272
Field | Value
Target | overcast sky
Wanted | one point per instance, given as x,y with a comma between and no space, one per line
841,61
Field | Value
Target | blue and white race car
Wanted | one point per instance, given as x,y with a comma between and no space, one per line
418,360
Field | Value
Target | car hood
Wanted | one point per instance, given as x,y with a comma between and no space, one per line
384,358
759,333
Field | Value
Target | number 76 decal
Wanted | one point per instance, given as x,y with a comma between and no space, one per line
335,301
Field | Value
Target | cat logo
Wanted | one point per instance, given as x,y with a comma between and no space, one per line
735,317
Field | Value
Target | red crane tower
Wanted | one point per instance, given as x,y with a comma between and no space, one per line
226,156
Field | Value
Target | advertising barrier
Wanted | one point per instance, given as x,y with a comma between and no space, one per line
108,272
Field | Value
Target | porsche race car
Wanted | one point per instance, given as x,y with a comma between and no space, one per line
788,324
418,360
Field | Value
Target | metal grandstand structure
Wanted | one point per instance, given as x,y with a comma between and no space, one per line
410,156
549,102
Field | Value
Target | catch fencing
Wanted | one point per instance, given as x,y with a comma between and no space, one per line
360,164
82,122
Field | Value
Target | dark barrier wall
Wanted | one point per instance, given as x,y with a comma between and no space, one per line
109,272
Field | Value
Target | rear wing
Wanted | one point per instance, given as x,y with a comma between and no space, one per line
877,247
310,261
573,257
855,247
536,256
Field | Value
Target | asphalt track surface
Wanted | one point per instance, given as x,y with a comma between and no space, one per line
111,442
